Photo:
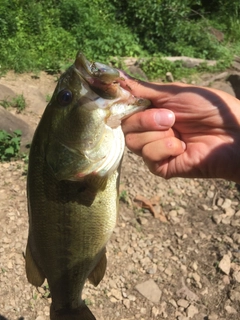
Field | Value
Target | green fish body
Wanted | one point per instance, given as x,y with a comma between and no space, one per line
73,182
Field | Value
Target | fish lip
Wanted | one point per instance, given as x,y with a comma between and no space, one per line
96,72
102,79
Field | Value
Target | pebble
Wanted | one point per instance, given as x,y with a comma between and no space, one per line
126,303
230,310
191,311
183,303
217,218
149,290
155,312
225,264
227,203
210,194
236,237
236,275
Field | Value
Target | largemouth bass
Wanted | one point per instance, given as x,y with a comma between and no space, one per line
73,181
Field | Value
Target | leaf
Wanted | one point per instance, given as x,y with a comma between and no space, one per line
9,151
18,132
149,204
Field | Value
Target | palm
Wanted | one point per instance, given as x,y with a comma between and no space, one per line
208,129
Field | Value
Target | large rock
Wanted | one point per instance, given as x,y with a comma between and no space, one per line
234,79
10,123
6,93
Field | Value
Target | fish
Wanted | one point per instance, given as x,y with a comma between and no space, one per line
72,183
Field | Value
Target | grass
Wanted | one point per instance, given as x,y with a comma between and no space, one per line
17,102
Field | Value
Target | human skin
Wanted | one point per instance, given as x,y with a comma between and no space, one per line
189,131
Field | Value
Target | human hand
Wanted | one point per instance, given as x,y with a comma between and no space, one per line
190,131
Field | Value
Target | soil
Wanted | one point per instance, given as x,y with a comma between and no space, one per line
174,253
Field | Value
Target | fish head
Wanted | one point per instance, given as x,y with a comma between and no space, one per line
82,121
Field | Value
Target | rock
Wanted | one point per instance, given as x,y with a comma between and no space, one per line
137,72
155,312
173,303
234,79
229,212
126,303
227,203
150,290
116,294
236,237
6,93
226,220
191,311
195,266
213,316
183,303
224,86
225,264
169,77
230,310
237,214
210,194
10,123
217,218
236,275
235,296
226,280
220,202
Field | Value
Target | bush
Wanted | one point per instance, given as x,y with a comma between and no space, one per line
46,34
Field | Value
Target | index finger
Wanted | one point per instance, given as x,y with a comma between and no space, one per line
139,88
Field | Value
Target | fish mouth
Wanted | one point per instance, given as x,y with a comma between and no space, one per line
101,78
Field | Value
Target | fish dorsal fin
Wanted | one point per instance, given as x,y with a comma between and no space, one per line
34,274
98,272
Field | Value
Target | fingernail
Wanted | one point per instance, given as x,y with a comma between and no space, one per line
164,118
184,145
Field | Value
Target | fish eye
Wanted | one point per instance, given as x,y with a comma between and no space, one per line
64,97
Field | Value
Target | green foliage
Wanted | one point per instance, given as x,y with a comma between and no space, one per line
46,34
9,144
179,27
124,196
156,68
18,102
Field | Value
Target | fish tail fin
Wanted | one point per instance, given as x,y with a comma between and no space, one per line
81,313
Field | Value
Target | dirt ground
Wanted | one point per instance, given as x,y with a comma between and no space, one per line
174,253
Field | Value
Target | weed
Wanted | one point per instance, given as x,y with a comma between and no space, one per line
48,97
18,102
88,302
124,196
9,144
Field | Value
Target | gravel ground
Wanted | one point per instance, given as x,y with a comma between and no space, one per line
174,253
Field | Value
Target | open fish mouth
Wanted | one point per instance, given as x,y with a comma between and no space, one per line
101,78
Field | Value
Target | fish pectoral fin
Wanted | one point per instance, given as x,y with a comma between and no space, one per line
98,272
96,183
34,274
